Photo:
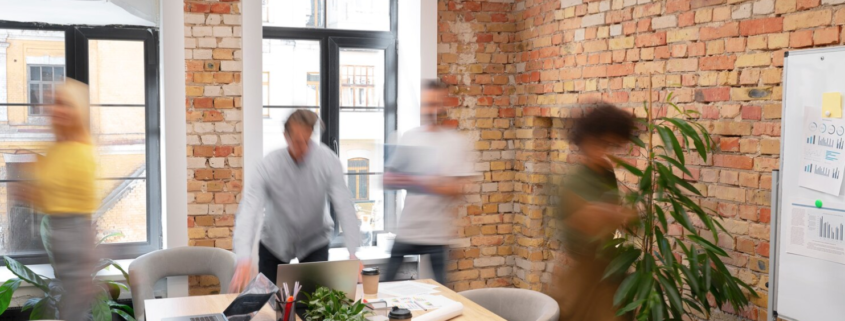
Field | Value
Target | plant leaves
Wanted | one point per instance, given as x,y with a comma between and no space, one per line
23,272
707,245
630,307
676,146
107,236
128,309
100,310
45,238
630,168
6,290
671,290
44,309
123,314
622,262
675,163
626,289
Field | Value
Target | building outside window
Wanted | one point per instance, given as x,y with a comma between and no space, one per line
338,58
123,120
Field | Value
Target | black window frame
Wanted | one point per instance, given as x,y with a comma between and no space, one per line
331,40
77,67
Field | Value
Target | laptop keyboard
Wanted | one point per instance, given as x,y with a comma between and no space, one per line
206,318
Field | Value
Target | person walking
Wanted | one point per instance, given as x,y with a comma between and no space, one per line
64,191
288,193
432,163
591,212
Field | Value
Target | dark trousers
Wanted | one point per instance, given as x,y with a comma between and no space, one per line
436,252
268,263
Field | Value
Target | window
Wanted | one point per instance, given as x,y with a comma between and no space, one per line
42,81
347,73
265,12
357,178
120,66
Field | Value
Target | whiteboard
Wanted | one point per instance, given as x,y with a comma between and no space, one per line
805,289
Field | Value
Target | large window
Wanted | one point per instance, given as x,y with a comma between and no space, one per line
120,67
338,58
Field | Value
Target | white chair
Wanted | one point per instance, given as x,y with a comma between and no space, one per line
146,270
516,304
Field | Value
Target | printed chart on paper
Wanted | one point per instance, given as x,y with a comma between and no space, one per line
824,153
817,232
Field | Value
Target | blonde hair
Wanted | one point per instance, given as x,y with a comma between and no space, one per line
74,94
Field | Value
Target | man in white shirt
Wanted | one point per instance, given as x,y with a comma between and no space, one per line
289,194
432,163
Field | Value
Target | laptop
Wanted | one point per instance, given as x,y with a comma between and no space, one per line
335,275
243,305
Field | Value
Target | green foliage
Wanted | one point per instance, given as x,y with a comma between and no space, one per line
46,307
332,305
661,284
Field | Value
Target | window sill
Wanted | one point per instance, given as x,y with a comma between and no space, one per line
109,273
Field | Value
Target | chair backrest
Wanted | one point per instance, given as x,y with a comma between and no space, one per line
147,269
516,304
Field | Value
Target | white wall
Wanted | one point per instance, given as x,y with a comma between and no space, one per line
174,138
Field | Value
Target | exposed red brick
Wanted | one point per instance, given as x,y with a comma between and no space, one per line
760,26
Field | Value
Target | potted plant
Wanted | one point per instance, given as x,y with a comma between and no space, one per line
332,305
46,307
672,276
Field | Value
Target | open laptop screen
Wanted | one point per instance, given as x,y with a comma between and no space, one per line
247,304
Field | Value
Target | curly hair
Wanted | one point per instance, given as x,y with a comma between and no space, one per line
604,119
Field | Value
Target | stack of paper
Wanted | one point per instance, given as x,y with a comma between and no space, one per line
407,288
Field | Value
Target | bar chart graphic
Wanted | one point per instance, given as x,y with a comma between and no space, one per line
824,171
826,231
812,139
831,142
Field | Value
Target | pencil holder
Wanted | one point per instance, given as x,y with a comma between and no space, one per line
286,311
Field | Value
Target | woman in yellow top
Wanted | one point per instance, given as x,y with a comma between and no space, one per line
65,191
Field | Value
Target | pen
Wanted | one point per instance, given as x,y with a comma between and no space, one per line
419,305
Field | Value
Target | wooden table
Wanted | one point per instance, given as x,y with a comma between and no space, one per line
164,308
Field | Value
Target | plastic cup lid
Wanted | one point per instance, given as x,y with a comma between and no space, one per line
400,314
369,271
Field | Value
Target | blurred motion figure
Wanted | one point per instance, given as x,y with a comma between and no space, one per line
64,190
591,210
432,163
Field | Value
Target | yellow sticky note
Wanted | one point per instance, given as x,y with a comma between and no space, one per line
832,105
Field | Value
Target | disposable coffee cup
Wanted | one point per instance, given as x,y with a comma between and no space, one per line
370,278
398,314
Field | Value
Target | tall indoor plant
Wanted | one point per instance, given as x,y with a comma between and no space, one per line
672,276
46,307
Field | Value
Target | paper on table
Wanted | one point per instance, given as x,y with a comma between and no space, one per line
446,312
419,302
406,288
832,105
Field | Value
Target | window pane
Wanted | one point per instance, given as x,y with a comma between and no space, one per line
119,133
273,127
365,74
362,134
294,13
293,68
123,210
116,72
26,56
359,14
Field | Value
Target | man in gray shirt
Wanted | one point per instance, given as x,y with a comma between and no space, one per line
289,192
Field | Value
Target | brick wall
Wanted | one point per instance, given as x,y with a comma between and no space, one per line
521,71
213,106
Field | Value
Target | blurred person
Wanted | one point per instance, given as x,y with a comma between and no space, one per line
288,193
63,189
591,211
432,163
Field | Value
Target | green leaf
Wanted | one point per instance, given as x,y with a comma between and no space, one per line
6,290
26,274
45,238
626,289
676,146
100,310
675,163
637,141
128,309
661,216
645,183
707,245
29,304
44,309
110,235
630,307
672,292
622,262
630,168
123,314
